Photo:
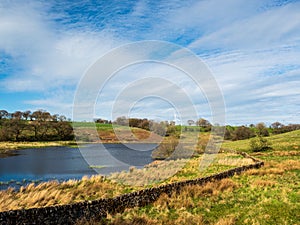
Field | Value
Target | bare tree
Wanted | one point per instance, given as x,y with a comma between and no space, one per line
262,130
190,122
203,123
17,115
277,125
26,114
3,114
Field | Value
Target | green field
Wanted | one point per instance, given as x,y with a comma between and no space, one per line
270,195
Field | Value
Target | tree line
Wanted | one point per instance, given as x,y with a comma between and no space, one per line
39,125
162,128
260,129
234,133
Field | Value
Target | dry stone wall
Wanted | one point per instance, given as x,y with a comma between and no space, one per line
69,214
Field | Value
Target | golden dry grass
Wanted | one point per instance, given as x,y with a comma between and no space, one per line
264,183
166,171
275,168
235,161
54,193
226,221
151,174
183,203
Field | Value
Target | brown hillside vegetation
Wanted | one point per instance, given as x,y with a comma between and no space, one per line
118,134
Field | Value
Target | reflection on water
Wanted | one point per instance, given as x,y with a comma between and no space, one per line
21,167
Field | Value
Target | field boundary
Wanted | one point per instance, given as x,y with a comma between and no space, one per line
97,209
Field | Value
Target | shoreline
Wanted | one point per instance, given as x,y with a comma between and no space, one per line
7,146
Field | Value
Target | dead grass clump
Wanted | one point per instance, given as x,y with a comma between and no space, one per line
165,202
265,171
187,194
162,202
291,165
235,161
264,183
275,168
211,188
226,221
286,153
227,184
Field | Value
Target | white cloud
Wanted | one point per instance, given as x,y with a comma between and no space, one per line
48,56
252,48
270,28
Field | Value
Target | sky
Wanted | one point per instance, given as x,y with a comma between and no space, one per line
252,49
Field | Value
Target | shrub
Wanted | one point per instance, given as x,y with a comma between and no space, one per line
165,149
259,144
242,133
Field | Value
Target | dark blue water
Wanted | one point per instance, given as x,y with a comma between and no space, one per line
21,167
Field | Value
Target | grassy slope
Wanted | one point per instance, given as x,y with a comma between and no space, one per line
270,195
288,141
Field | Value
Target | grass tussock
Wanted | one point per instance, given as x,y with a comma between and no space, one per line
226,221
264,183
265,172
54,193
235,161
287,153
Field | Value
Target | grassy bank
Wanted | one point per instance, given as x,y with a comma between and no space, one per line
7,146
54,193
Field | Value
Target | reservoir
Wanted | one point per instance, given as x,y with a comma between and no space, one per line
21,167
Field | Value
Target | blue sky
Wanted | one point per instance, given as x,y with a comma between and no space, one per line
251,47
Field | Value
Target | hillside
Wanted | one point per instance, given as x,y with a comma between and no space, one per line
288,141
109,133
270,195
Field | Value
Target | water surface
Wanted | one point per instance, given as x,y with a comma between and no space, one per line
21,167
